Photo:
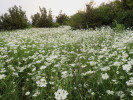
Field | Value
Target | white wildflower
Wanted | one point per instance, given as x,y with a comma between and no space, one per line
2,76
105,69
92,63
27,93
127,67
130,82
131,92
41,83
120,94
42,67
105,76
117,63
64,74
110,92
36,94
61,94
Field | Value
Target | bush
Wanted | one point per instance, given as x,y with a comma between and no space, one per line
16,19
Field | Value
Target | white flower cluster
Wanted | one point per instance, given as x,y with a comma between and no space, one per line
110,92
127,67
42,82
36,94
2,76
105,76
130,82
61,94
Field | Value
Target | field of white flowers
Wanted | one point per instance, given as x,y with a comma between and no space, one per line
64,64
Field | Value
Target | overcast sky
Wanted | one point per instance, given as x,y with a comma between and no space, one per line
32,6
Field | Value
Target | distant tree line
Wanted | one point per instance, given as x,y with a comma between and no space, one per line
117,13
16,19
43,19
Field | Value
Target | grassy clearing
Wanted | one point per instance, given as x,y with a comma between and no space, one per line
58,63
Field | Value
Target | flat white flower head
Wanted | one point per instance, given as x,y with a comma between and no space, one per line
105,76
127,67
41,83
2,76
42,67
27,93
61,94
110,92
131,92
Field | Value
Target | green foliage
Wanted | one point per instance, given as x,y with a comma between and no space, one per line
56,24
62,18
125,18
16,19
76,21
42,19
92,17
124,5
105,14
118,27
35,18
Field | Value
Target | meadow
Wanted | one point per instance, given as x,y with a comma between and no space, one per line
65,64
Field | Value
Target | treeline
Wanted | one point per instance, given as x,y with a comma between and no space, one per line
43,19
16,19
115,14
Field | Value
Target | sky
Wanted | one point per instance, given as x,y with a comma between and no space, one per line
31,7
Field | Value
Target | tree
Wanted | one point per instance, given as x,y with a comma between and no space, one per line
62,18
50,18
35,18
16,19
42,19
124,4
77,20
0,24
